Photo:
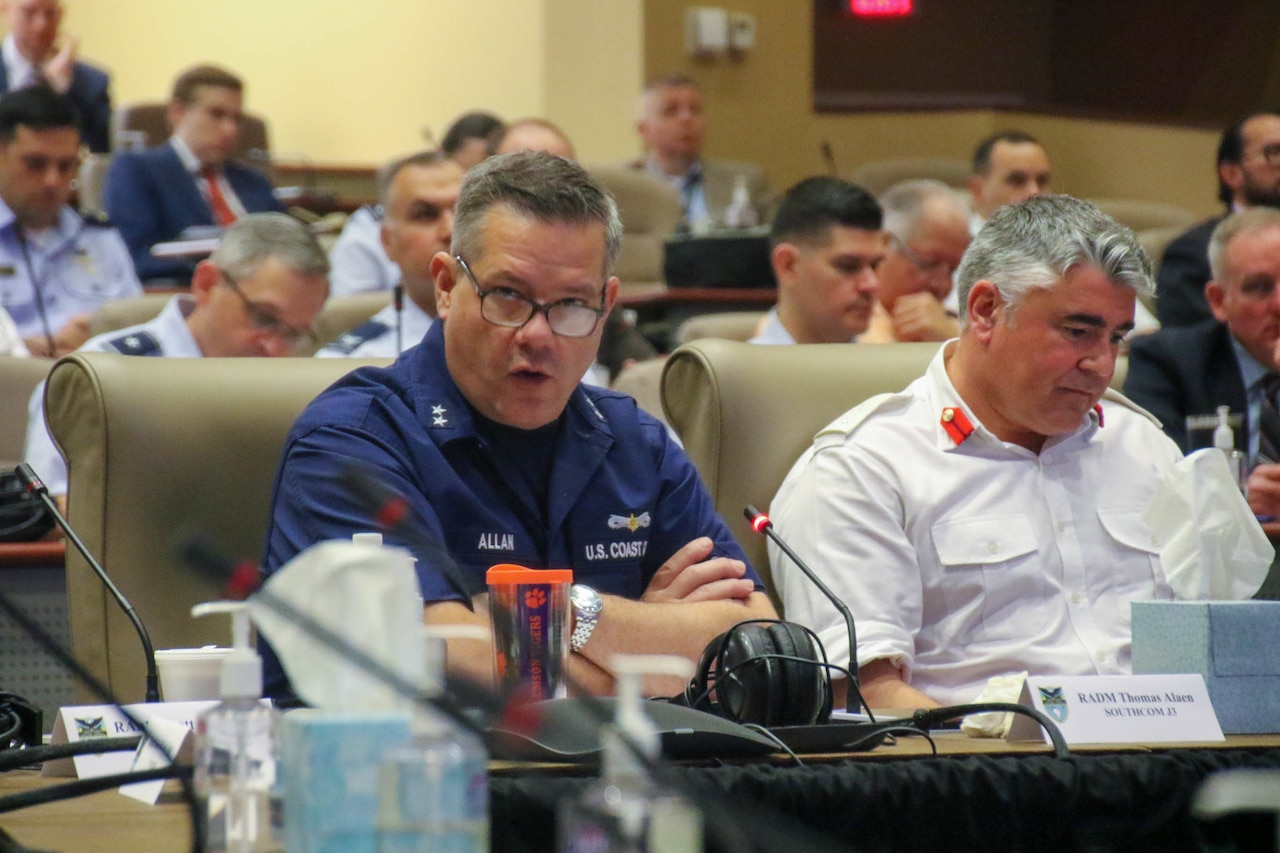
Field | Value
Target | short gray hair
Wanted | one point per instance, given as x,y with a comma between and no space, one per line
904,204
1035,243
1246,221
259,236
541,186
387,174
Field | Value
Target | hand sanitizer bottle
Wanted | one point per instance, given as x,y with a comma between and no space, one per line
740,213
235,748
1225,440
433,792
626,812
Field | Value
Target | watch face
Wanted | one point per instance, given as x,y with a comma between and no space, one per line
585,599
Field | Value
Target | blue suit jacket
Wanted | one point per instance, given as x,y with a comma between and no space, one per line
152,198
1187,370
89,93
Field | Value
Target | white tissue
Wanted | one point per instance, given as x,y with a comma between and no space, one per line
1212,546
1000,688
366,594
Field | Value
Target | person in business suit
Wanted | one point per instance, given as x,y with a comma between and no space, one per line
154,195
672,126
1248,176
32,54
1228,360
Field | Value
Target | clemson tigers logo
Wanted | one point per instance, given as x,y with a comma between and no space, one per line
534,597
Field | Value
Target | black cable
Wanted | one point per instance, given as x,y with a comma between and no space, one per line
64,657
80,787
930,718
15,758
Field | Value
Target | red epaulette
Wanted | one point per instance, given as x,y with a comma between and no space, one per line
1097,407
956,423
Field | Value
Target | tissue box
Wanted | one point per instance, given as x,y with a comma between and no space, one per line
1231,643
329,762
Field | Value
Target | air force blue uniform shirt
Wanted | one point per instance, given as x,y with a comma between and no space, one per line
623,496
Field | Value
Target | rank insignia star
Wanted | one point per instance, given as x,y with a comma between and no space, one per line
438,416
132,342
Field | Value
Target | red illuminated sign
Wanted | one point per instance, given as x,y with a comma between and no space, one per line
881,8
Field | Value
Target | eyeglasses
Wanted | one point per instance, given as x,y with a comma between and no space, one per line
927,267
264,318
502,306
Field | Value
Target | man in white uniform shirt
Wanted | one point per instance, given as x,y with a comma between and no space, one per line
989,518
257,295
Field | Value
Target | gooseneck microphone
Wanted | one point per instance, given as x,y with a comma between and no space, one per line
40,491
760,523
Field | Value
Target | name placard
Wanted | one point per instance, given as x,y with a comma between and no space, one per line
76,723
1119,709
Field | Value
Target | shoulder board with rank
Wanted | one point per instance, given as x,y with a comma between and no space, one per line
95,219
135,343
348,342
844,426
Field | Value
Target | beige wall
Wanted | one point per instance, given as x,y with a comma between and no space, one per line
760,108
347,82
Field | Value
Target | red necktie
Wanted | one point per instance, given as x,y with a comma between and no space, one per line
222,212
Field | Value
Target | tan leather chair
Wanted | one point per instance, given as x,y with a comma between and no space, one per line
650,211
151,120
340,314
130,311
877,176
343,313
730,325
643,381
746,412
89,181
158,447
18,378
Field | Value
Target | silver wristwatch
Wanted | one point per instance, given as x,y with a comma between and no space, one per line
587,604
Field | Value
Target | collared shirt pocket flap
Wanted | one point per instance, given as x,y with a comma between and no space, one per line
1127,528
982,541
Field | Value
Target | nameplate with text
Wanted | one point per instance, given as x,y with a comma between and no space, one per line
78,723
1119,709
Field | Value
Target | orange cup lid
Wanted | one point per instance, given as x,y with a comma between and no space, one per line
509,573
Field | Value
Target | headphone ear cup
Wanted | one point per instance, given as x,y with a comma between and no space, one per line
804,689
744,695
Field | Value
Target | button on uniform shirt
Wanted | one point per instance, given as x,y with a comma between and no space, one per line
962,556
75,266
165,335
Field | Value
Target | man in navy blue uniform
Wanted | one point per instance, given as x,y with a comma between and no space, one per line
153,196
486,431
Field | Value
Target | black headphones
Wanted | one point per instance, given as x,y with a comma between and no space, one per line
766,672
23,517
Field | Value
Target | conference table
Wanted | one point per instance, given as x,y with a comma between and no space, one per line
973,795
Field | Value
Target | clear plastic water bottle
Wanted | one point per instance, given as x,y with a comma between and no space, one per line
741,213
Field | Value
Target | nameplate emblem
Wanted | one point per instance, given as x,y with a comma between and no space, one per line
1119,709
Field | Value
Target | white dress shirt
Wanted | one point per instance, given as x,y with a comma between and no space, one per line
962,561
